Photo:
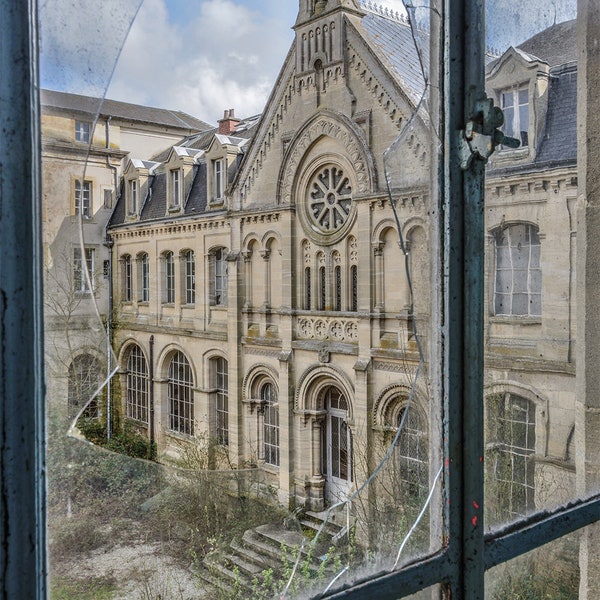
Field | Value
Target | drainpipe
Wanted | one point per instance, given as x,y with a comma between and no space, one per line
109,243
108,163
151,382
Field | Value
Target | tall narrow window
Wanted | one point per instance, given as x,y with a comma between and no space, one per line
219,277
221,395
219,179
190,277
411,454
307,290
137,386
84,380
353,288
511,466
180,395
169,282
127,279
338,287
143,278
270,424
518,277
83,198
322,288
175,188
133,197
80,280
82,131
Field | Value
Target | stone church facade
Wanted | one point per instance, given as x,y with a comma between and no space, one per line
261,291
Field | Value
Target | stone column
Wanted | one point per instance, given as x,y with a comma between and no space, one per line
266,256
379,280
587,423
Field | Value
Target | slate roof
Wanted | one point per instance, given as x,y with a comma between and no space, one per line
393,37
122,110
559,139
556,45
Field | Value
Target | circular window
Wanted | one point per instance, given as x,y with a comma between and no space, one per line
329,199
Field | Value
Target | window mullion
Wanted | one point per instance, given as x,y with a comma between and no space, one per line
463,299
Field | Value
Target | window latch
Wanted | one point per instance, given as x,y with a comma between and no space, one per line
482,135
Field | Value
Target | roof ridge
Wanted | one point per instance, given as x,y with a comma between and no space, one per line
386,12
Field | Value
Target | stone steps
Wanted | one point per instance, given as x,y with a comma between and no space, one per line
260,549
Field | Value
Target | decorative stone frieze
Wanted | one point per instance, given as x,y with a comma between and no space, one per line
324,328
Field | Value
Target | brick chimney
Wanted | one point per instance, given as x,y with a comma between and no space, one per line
228,124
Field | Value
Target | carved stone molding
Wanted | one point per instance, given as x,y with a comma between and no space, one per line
327,328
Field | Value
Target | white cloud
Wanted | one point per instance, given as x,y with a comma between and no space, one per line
227,57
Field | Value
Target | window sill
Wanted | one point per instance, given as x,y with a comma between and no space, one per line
269,468
515,320
188,306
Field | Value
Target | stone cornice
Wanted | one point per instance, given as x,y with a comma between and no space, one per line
138,230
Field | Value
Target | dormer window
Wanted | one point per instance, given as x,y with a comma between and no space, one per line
175,188
218,178
515,105
133,197
82,131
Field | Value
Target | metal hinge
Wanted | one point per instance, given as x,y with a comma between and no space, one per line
481,135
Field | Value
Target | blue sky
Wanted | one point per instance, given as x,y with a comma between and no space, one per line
204,56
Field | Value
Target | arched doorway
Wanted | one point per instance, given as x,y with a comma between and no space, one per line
336,446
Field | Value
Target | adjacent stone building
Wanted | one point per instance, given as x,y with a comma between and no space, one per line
85,141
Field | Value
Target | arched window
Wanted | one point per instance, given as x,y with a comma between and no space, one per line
307,294
137,386
518,274
270,424
180,395
143,278
337,271
322,288
510,461
411,453
190,277
169,278
127,278
221,400
353,288
84,380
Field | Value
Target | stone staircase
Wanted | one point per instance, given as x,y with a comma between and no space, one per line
234,571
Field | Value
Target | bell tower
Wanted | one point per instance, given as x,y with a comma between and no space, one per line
319,33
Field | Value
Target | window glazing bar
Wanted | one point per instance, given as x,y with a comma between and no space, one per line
22,503
464,294
542,528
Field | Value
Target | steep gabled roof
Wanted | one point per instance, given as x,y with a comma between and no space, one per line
556,45
174,119
393,36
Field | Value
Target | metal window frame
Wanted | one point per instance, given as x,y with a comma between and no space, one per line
460,566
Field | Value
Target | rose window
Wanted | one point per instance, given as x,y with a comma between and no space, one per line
329,199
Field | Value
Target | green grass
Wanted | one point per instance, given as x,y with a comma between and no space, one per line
94,588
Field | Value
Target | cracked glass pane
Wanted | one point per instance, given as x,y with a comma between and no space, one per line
242,319
236,431
540,403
